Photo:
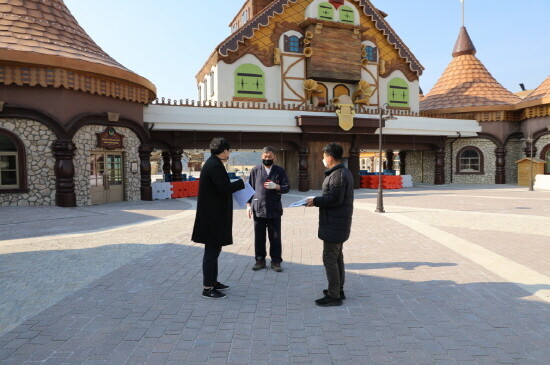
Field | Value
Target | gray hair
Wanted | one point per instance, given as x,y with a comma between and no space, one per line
268,149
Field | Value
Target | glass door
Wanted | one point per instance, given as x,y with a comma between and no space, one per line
106,177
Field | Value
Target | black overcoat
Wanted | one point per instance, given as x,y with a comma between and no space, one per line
214,218
266,203
335,205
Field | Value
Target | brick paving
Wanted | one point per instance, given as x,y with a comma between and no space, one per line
448,275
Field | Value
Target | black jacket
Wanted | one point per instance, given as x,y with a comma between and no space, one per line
335,205
214,218
266,203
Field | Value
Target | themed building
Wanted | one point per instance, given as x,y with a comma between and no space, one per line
71,117
78,128
513,126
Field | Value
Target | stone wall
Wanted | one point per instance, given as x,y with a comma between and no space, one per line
486,146
514,152
86,142
421,166
37,139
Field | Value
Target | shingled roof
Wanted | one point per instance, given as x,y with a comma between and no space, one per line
541,92
44,33
466,83
262,19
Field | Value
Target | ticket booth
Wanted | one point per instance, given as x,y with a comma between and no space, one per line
524,169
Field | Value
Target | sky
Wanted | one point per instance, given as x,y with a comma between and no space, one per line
168,41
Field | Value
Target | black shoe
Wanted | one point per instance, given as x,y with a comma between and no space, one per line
212,293
328,301
276,266
260,264
220,286
342,296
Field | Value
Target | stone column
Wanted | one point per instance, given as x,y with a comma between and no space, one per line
354,166
500,173
177,167
63,150
145,170
402,164
303,182
439,166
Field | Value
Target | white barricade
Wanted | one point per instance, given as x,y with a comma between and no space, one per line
407,181
162,190
542,182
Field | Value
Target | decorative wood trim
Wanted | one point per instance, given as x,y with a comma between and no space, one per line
398,65
22,75
256,100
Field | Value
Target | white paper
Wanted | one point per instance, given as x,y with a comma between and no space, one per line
243,196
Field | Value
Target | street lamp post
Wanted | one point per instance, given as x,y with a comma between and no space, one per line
380,199
531,172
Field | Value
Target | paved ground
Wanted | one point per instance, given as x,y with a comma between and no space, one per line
448,275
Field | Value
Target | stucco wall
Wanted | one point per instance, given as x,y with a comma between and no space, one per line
86,141
37,139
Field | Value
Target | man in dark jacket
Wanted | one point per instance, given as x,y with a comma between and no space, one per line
269,181
335,212
214,218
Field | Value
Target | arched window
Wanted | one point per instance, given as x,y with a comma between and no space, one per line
371,54
340,90
398,93
323,93
347,14
249,82
12,175
293,44
326,11
469,161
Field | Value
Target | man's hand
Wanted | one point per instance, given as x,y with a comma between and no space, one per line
270,185
309,202
249,211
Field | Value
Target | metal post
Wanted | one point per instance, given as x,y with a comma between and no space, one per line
380,199
531,173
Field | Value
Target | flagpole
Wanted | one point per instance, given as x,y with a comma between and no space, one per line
462,2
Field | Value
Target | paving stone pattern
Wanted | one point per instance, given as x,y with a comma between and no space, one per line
131,294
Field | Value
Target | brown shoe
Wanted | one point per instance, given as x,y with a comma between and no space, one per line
260,264
276,267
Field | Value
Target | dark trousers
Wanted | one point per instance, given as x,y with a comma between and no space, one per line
333,260
210,265
273,226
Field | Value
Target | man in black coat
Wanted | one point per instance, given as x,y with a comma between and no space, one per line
335,212
214,219
269,181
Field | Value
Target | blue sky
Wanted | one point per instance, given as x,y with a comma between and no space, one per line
168,41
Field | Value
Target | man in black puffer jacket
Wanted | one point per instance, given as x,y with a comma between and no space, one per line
335,212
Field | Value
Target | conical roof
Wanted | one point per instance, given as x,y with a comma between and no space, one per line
466,83
541,92
44,32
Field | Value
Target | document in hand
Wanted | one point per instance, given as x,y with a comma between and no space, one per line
243,196
300,203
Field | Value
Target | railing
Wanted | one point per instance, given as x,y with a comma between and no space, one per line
360,109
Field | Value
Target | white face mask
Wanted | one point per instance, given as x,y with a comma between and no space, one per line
325,163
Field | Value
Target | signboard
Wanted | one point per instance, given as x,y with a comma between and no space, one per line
109,139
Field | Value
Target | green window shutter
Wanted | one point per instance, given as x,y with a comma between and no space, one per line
249,82
326,11
346,14
398,93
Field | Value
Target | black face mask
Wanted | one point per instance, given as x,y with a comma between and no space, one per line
267,162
